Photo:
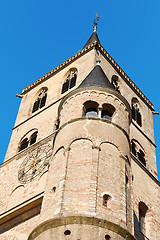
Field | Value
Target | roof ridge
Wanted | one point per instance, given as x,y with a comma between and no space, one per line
79,54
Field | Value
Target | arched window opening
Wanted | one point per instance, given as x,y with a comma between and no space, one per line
70,81
107,111
115,83
91,109
107,237
65,86
91,112
28,141
105,114
41,100
133,148
138,152
142,217
141,157
139,118
23,144
106,198
33,138
136,115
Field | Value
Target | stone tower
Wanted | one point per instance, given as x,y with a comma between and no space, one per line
81,161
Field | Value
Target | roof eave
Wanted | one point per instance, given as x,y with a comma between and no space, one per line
80,53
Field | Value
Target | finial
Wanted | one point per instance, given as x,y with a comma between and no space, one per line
95,22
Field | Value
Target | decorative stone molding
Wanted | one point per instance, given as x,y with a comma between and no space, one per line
96,91
81,53
93,119
61,66
86,220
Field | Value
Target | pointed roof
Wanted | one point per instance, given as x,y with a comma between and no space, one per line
93,42
93,38
96,78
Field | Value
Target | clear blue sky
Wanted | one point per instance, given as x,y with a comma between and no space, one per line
38,35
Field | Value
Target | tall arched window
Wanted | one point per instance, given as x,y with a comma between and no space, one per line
40,100
115,83
107,111
138,151
29,139
23,144
136,115
33,138
91,109
142,217
70,80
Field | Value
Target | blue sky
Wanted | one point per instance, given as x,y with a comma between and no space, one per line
38,35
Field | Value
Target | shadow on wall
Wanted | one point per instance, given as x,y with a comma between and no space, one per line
137,233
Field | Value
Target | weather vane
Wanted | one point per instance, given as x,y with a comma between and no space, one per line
96,22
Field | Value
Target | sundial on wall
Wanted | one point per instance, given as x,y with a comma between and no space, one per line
34,163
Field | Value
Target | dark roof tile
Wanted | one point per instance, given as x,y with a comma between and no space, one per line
96,78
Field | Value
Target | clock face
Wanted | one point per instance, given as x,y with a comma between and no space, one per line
34,164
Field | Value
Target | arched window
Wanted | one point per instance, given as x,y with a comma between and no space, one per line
23,144
138,151
70,81
33,138
29,139
91,109
141,156
136,115
107,111
40,100
115,83
142,217
106,198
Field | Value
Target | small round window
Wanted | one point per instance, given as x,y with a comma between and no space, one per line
67,232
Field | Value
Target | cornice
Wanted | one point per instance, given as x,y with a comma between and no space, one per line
81,53
93,119
12,213
63,220
59,67
125,76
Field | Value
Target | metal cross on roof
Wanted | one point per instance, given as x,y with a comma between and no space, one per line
96,22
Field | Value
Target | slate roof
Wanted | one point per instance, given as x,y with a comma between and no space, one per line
93,38
96,78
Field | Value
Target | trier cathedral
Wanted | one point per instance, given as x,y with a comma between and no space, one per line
81,161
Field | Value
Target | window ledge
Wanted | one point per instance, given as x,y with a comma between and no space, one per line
140,129
145,169
21,212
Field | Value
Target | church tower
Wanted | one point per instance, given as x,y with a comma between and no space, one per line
81,161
